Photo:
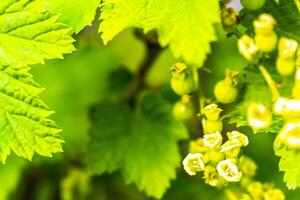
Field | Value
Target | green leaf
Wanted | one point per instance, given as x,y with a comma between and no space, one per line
143,144
74,13
29,33
186,26
289,164
24,124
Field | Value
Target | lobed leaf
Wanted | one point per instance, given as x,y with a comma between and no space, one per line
186,26
143,144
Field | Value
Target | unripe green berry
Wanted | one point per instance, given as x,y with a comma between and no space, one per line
212,126
182,81
266,42
183,111
229,19
225,93
253,4
285,67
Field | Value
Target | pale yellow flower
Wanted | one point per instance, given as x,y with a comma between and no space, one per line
193,163
259,117
247,47
212,140
287,48
243,139
290,135
287,108
229,171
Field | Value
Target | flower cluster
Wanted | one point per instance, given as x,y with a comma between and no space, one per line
265,39
250,189
217,159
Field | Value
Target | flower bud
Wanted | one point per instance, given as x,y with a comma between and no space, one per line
182,81
212,112
264,25
259,117
247,48
193,163
229,171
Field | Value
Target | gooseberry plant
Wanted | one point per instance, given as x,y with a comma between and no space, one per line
136,131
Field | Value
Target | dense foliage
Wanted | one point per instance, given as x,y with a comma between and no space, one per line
146,93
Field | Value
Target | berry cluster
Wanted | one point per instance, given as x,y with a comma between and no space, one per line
287,62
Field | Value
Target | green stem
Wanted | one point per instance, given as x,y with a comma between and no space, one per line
271,83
